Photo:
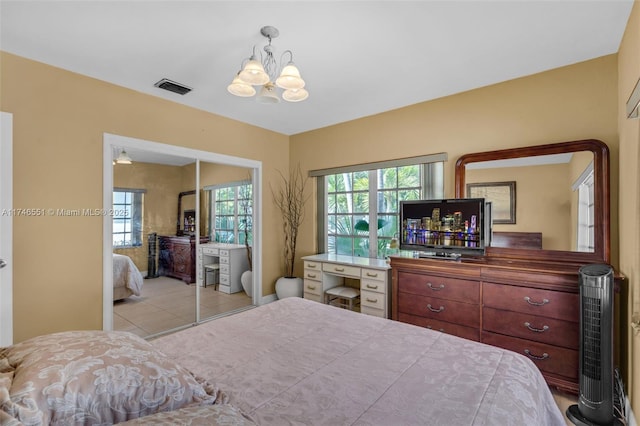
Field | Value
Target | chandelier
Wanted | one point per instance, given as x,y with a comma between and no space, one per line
264,74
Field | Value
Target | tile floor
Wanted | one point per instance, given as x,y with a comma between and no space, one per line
167,303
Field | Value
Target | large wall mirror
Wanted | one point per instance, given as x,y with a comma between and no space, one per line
553,198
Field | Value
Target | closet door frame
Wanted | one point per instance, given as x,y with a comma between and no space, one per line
111,142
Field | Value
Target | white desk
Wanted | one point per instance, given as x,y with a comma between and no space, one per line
233,262
325,271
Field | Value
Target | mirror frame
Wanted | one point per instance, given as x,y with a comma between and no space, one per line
602,223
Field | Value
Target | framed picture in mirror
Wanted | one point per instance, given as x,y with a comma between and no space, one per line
502,196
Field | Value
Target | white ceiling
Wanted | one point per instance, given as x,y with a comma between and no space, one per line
358,57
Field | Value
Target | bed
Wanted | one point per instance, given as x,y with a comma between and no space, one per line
290,362
300,362
127,279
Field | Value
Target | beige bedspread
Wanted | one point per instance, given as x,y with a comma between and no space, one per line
127,279
300,362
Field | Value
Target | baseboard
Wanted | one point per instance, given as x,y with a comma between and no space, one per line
268,299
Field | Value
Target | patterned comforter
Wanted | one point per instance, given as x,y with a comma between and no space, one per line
300,362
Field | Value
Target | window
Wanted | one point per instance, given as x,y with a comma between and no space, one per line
586,225
354,198
127,217
232,208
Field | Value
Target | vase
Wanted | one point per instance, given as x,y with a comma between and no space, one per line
246,279
289,287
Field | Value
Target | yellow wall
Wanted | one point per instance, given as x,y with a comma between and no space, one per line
59,121
160,208
542,201
564,104
629,188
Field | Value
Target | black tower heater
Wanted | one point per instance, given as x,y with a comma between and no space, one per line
596,400
152,271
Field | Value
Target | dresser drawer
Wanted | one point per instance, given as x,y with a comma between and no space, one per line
445,327
312,274
531,327
441,309
441,287
371,299
313,287
210,251
375,286
347,271
548,358
546,303
373,274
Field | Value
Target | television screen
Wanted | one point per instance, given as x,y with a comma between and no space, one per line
450,227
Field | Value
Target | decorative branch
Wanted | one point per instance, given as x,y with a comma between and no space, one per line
290,198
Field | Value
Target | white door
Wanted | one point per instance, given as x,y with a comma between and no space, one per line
6,230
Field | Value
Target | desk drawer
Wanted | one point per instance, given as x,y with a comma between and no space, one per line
312,274
224,260
347,271
445,310
376,286
371,299
312,296
210,251
440,287
372,311
313,287
224,279
224,268
373,274
312,265
224,252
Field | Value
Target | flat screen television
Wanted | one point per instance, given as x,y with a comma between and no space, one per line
447,228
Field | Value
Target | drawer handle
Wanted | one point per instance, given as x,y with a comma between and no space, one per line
311,287
311,275
440,287
532,356
431,328
537,330
369,274
311,265
375,287
372,300
435,310
339,269
528,300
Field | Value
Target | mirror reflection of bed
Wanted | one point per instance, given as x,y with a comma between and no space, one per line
148,300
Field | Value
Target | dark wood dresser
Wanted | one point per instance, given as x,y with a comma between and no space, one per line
528,307
177,257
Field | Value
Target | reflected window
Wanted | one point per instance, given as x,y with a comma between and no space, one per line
127,217
232,212
585,231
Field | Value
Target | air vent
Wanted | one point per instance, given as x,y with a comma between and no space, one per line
172,86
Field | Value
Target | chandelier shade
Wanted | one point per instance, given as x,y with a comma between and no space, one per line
264,73
253,73
295,95
290,78
240,88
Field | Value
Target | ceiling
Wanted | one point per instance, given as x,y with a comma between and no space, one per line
358,58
